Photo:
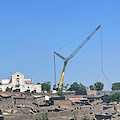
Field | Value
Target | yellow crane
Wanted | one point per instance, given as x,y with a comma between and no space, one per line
72,55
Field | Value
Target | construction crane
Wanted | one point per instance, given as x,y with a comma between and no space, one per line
71,56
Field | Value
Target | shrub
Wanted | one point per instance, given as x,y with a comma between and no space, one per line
16,90
44,116
34,91
114,97
86,118
60,93
9,89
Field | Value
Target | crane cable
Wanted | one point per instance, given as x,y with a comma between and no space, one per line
102,72
54,69
73,41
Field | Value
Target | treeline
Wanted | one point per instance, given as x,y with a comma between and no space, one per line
46,86
74,87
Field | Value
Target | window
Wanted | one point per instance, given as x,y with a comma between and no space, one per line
17,82
17,75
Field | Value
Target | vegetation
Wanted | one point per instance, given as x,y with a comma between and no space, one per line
114,97
38,83
27,91
75,117
60,93
34,91
46,86
16,90
91,87
97,86
44,116
116,86
86,118
77,87
64,87
9,89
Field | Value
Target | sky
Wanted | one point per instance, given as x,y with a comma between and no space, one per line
31,30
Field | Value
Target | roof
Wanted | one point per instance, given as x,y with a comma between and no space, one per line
17,73
77,99
5,95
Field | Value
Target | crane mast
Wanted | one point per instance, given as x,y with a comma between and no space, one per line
72,55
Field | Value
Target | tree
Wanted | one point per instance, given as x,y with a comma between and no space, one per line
46,86
77,87
38,83
91,87
116,86
64,87
98,86
114,97
60,93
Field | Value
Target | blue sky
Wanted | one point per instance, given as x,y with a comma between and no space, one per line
31,30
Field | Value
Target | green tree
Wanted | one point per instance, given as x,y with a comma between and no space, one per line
114,97
91,87
46,86
60,93
77,87
64,87
38,83
98,86
116,86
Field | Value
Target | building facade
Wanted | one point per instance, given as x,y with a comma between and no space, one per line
18,83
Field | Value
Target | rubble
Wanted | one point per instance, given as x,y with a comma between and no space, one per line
65,108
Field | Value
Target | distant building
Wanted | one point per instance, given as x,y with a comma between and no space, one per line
17,82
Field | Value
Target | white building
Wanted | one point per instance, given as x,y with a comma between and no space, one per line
17,82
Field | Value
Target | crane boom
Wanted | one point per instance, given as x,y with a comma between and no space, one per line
62,75
73,54
60,56
83,43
